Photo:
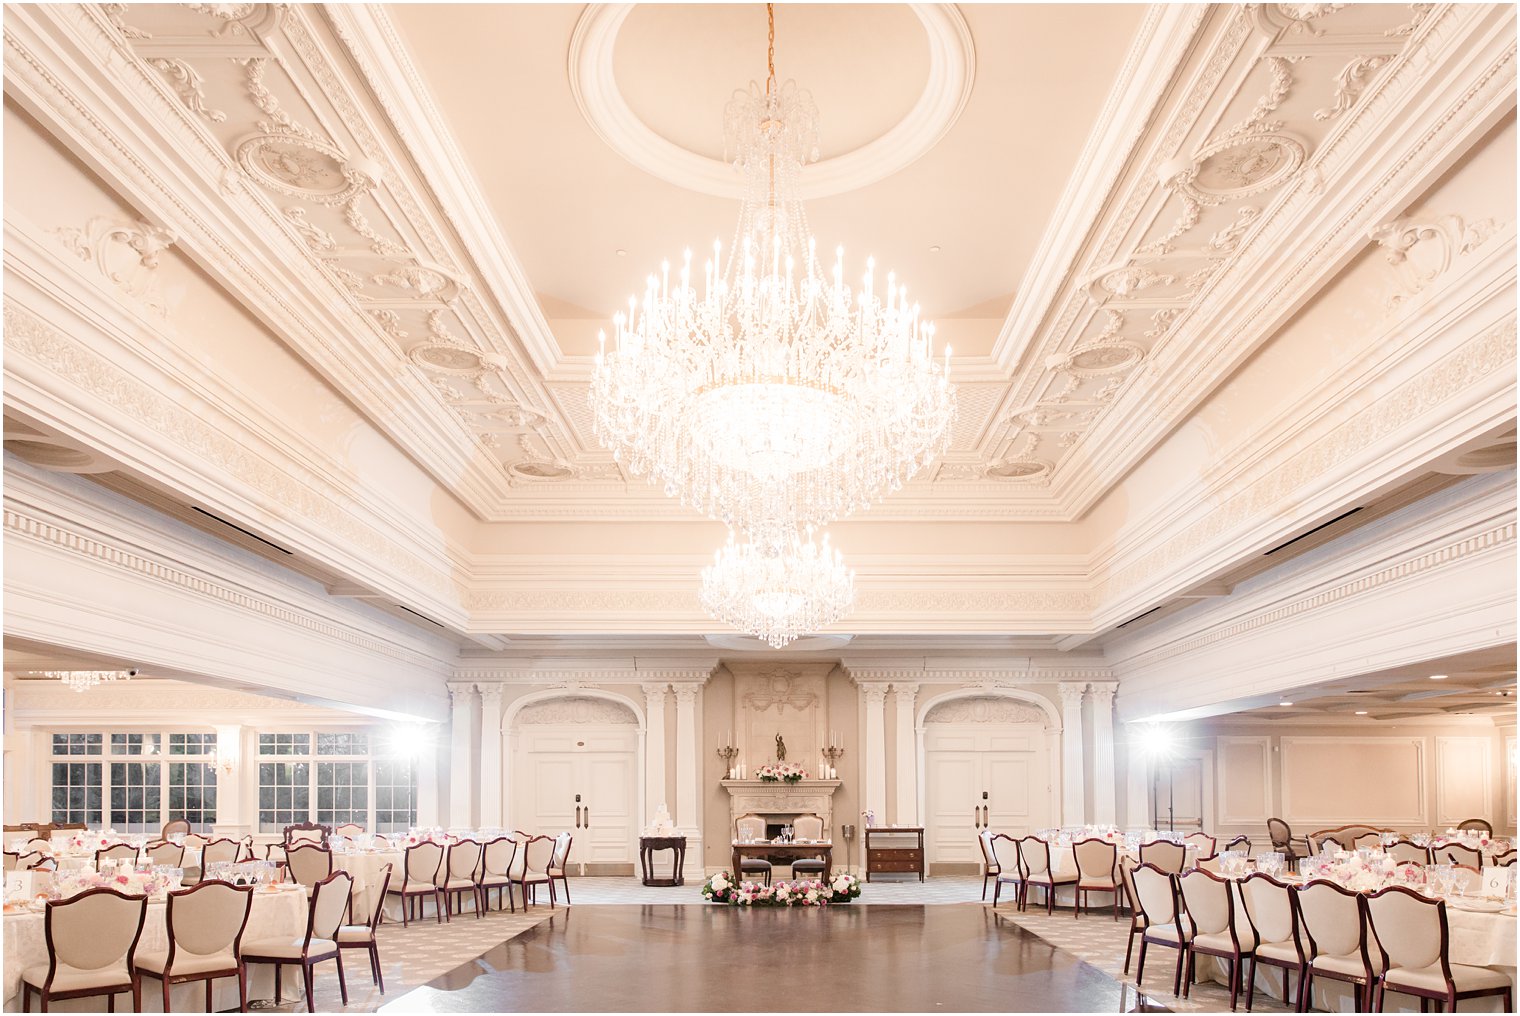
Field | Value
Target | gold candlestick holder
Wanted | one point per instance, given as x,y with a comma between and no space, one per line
728,753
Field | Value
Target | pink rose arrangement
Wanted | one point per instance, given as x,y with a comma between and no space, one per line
841,888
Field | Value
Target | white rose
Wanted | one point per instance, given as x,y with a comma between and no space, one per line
812,894
719,883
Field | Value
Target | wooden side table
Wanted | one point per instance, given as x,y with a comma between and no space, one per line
648,845
898,856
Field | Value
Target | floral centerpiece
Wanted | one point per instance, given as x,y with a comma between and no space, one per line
81,842
722,888
778,772
133,883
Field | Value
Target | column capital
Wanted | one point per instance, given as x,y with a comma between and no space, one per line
905,689
1103,694
1071,693
459,691
686,694
654,695
874,694
490,692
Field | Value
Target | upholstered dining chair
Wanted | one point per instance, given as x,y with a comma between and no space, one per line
220,851
1415,945
1127,867
174,827
1282,840
1165,923
1335,921
419,874
1207,845
1209,901
1034,855
1404,851
1481,825
1272,909
116,852
12,860
170,854
496,859
1504,860
309,863
195,841
1456,853
1241,843
205,926
990,868
559,862
39,845
324,916
41,862
1006,867
361,934
463,876
382,841
537,852
1371,840
806,827
309,832
752,828
349,829
1097,871
91,944
1164,854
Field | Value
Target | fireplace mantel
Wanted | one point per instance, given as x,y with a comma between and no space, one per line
757,797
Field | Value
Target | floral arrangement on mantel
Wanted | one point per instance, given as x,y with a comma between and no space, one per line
722,888
778,772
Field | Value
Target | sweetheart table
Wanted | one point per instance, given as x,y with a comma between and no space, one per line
794,849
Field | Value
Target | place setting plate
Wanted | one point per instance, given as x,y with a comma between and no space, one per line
1479,906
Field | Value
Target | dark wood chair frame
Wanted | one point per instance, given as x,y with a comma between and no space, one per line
1235,957
990,867
373,947
237,850
1479,824
306,827
1282,842
112,851
238,970
304,962
1451,996
453,902
1051,882
1084,888
1136,915
431,881
1181,861
563,866
485,890
148,851
1001,877
174,825
1178,917
758,865
1363,982
133,985
1288,969
536,879
1237,841
308,846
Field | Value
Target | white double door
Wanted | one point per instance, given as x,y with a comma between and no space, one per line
584,781
982,775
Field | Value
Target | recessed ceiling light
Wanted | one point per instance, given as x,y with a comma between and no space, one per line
1361,712
1285,702
1438,677
620,252
934,248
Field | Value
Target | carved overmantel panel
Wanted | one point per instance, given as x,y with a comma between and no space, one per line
787,700
756,797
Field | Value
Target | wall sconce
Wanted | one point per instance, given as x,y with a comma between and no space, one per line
222,766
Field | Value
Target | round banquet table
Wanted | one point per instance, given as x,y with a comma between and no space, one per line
365,867
275,914
1064,862
67,860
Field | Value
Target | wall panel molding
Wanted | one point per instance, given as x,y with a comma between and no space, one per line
1249,759
1332,787
1464,779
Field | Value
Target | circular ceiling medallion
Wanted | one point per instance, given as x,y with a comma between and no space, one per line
299,167
449,359
1488,459
1249,164
947,86
542,470
1109,358
59,457
1017,469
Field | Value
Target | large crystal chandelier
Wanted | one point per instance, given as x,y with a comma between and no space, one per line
778,592
84,680
778,396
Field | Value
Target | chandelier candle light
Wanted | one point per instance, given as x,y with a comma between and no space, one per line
779,398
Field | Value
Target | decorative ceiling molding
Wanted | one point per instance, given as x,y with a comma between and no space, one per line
947,87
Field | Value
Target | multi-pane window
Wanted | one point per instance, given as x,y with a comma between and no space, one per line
192,794
135,744
192,744
76,791
77,744
331,777
343,793
284,795
284,744
116,779
135,797
395,795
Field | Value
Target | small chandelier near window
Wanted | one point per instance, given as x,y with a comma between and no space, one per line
778,591
84,680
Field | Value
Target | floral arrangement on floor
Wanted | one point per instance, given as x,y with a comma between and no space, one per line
133,883
722,888
776,772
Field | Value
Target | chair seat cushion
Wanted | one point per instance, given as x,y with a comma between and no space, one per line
1349,965
1046,878
408,888
1096,882
351,933
1282,952
186,962
1429,978
73,979
287,948
556,872
1167,933
459,883
494,879
1220,941
755,864
807,866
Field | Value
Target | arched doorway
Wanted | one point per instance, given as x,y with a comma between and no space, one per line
988,760
575,764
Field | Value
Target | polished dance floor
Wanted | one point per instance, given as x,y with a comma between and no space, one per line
711,958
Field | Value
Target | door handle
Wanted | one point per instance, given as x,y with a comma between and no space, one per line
976,816
986,819
588,817
577,816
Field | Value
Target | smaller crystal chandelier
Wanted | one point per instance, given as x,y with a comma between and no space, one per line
778,591
84,680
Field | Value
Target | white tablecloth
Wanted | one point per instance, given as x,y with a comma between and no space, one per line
274,915
1064,862
87,860
365,868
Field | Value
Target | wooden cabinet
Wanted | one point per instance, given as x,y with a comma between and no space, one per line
899,849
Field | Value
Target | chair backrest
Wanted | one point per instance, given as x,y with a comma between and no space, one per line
1334,918
11,860
307,832
220,851
1241,843
1095,858
118,852
174,826
94,929
1210,903
422,863
989,859
750,826
464,858
1034,856
40,845
1164,854
1156,894
39,862
209,917
1405,851
171,854
496,855
1411,930
1127,867
1281,833
195,841
329,901
537,853
561,853
1206,844
1504,860
1370,840
808,827
349,829
1270,908
1002,853
382,841
1479,824
1456,853
377,901
309,863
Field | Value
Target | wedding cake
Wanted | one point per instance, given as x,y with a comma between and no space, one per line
661,825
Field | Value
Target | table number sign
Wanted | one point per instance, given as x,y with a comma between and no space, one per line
1496,881
26,884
